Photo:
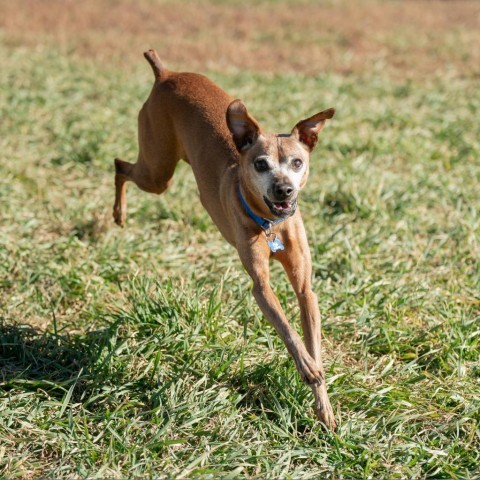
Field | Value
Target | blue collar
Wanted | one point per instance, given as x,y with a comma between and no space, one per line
260,221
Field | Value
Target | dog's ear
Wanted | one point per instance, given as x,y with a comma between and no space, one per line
307,130
244,128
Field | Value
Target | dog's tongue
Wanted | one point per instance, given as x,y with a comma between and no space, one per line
283,205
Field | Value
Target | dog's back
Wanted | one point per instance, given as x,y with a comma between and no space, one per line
195,107
184,117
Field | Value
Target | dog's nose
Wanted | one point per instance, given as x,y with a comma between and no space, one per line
283,191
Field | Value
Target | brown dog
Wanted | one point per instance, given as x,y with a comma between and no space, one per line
249,182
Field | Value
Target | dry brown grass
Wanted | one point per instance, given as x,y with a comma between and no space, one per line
408,39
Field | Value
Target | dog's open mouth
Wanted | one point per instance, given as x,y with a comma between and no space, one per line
281,209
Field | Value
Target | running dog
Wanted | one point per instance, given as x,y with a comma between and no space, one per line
249,181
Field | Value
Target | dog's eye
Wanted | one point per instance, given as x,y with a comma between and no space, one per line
297,164
261,165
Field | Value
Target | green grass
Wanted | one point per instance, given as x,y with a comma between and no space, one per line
140,352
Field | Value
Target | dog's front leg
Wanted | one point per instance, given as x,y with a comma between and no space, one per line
298,266
255,260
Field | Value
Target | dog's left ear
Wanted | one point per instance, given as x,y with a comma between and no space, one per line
244,128
307,130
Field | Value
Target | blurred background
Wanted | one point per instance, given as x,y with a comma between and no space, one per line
405,38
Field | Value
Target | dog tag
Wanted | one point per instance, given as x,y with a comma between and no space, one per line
275,245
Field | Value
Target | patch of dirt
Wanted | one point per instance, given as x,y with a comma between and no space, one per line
408,39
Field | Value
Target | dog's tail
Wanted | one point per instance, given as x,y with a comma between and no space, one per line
154,60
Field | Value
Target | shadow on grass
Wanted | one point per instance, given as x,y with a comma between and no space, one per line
31,359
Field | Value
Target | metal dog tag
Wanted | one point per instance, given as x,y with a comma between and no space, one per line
275,245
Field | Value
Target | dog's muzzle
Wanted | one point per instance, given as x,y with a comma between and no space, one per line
281,209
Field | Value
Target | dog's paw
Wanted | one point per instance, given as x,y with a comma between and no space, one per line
118,217
323,408
309,371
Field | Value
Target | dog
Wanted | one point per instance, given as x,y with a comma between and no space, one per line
249,182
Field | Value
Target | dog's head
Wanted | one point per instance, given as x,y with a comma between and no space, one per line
273,168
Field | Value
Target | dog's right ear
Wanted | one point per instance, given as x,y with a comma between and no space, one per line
244,128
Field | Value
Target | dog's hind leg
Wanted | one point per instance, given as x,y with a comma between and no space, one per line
159,153
152,180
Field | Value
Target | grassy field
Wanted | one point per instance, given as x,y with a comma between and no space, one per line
139,352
